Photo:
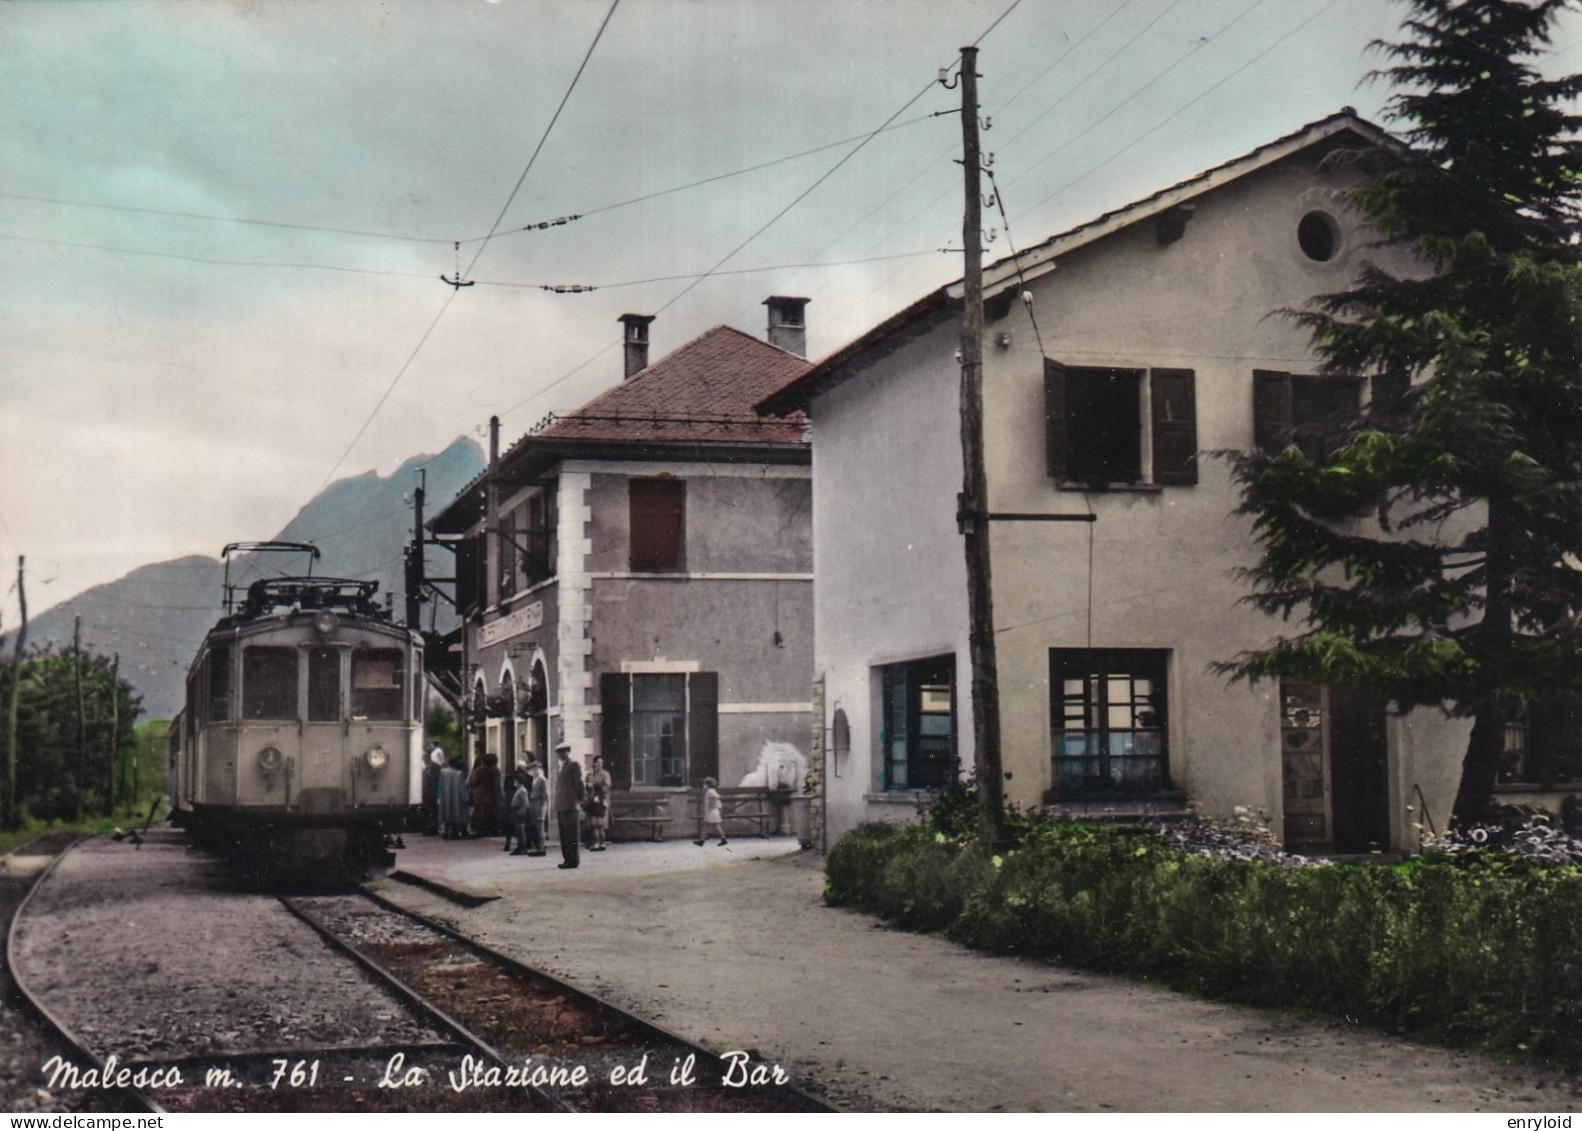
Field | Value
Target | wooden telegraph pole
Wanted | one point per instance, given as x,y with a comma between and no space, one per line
115,731
82,713
972,507
13,812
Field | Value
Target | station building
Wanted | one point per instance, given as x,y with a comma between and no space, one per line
635,578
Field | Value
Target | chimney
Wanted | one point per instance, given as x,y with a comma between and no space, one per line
787,324
636,342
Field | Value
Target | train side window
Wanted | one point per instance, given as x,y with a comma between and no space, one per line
269,683
219,673
324,685
377,684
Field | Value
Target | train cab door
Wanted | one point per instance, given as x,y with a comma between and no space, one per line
323,775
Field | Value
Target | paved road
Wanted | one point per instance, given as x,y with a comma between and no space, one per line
738,952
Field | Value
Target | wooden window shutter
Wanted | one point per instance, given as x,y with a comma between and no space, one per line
615,727
658,519
1056,444
1175,426
1271,410
703,726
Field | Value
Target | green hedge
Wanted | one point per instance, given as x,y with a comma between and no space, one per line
1480,950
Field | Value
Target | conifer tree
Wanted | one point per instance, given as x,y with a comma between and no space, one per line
1432,550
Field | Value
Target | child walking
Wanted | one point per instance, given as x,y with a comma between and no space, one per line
711,818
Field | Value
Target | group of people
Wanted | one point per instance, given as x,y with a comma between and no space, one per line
457,805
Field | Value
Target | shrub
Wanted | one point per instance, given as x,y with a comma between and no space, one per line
1475,949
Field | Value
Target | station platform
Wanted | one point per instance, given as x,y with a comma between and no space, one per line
479,869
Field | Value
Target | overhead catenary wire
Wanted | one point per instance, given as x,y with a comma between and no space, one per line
538,225
732,253
548,129
528,168
580,288
766,226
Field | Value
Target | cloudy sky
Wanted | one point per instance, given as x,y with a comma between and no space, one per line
223,224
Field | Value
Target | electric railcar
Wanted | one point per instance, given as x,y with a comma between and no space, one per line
299,747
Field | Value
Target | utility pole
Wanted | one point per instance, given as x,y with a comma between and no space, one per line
82,713
115,731
13,812
414,558
973,506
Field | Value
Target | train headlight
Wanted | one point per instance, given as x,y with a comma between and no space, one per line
377,758
324,622
269,760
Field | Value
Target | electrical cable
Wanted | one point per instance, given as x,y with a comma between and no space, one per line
584,289
1182,108
587,55
797,200
455,290
216,262
1095,123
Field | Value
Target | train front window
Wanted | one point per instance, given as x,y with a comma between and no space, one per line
219,672
377,684
324,685
269,683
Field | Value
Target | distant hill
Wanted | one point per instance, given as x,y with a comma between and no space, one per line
157,615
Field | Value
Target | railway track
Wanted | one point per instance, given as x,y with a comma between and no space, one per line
432,1021
35,1033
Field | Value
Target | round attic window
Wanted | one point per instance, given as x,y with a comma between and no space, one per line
1319,236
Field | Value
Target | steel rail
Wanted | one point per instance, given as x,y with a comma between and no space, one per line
415,999
41,1012
593,1001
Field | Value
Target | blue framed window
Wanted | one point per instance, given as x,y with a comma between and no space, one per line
918,729
1109,722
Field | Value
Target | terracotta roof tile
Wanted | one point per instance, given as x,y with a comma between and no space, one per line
703,392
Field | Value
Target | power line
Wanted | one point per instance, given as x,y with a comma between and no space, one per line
886,124
455,291
734,173
223,219
598,35
213,261
1182,108
716,268
1142,31
1027,86
367,233
734,271
400,373
1093,125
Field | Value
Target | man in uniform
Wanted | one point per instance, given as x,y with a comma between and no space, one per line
569,795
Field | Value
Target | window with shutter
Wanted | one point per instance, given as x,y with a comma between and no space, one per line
1312,412
615,727
1174,427
1093,419
703,729
659,730
658,523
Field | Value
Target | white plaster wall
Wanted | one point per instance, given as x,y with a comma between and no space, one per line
889,568
1162,561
